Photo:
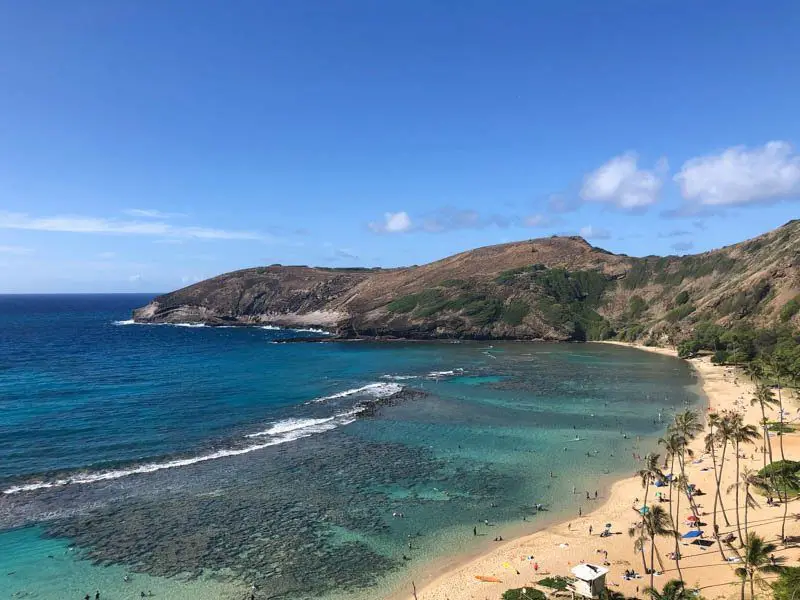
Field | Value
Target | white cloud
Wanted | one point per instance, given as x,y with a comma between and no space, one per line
398,222
15,250
620,182
135,278
594,233
77,224
150,213
107,255
741,176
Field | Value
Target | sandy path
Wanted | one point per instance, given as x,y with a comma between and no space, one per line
558,548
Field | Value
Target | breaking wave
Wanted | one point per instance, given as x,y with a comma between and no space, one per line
376,390
279,432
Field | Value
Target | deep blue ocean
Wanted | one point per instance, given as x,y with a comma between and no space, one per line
196,461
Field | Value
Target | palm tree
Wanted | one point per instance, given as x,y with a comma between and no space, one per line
657,523
764,397
757,557
748,478
649,473
673,444
711,440
687,425
680,484
777,371
639,535
672,590
741,434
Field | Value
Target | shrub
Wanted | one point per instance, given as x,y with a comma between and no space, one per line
788,584
779,469
790,309
689,348
403,304
682,298
681,312
530,594
636,306
720,357
557,582
515,311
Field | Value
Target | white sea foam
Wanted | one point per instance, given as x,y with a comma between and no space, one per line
376,390
450,373
125,322
296,424
280,432
399,377
271,327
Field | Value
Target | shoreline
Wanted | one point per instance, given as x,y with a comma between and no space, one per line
560,546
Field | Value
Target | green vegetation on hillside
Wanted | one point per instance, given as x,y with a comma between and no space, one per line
790,309
777,348
673,272
566,299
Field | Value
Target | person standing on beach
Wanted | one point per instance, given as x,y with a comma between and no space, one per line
475,531
590,530
580,511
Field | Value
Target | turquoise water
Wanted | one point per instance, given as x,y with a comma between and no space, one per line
199,461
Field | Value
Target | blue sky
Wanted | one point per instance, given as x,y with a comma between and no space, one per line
146,145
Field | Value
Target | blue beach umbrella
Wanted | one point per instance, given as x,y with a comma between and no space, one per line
692,534
659,483
644,510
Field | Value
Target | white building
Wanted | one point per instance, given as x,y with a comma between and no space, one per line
590,580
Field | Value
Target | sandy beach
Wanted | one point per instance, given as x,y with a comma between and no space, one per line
558,548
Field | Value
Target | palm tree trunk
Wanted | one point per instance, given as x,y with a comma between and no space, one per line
741,591
738,525
780,433
746,503
652,559
719,482
677,547
768,447
785,511
644,560
752,589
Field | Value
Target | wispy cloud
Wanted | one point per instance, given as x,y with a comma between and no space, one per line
98,225
448,218
16,250
150,213
591,232
740,175
674,233
621,183
682,246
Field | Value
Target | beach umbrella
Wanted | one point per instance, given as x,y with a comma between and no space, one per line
608,525
692,534
644,510
692,518
659,483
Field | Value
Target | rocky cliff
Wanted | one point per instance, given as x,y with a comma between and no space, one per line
558,288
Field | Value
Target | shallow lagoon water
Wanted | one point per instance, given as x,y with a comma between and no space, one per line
308,516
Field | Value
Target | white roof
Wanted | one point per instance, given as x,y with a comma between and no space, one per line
588,572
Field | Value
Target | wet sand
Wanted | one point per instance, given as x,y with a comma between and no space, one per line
558,548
